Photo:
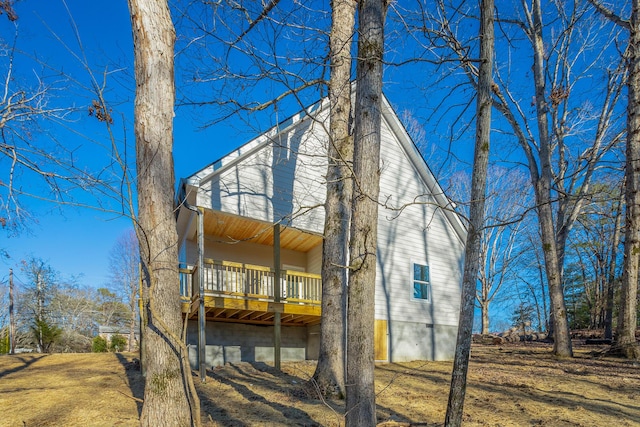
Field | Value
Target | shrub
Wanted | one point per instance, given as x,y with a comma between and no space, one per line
73,342
118,343
46,334
99,345
4,342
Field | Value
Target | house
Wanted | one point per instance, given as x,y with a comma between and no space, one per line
107,332
261,207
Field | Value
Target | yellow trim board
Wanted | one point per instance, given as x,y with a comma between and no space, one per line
380,340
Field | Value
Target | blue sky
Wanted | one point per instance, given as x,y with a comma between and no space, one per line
76,241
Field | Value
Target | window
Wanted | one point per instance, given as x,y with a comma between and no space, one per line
421,285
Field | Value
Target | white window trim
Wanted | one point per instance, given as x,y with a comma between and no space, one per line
412,280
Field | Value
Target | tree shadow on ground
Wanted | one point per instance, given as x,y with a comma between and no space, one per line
387,415
26,362
265,391
297,386
211,410
135,381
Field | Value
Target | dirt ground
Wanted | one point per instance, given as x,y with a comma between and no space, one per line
510,385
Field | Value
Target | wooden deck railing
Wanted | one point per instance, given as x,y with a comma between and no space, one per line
225,278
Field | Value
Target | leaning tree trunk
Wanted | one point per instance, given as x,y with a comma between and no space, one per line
329,374
360,401
458,388
627,318
165,398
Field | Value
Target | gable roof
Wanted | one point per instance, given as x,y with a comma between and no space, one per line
252,146
388,115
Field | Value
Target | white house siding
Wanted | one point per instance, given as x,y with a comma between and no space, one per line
246,252
416,231
419,233
282,180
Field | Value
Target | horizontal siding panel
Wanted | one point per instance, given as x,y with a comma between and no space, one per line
282,180
419,232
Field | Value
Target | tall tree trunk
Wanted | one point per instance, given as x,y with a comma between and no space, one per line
485,286
611,276
39,314
627,321
165,399
360,401
458,388
542,190
484,309
330,370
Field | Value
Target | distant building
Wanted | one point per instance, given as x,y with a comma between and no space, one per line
107,332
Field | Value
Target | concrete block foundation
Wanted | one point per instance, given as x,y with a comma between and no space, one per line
235,342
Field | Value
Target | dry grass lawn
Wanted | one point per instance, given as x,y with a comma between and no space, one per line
511,385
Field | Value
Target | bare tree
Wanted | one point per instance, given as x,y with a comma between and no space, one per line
235,56
560,190
476,216
7,335
506,204
360,402
329,374
551,128
625,339
627,323
39,161
111,311
21,110
39,293
530,286
124,261
593,255
499,253
170,398
73,311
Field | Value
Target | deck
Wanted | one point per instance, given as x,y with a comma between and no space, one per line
246,293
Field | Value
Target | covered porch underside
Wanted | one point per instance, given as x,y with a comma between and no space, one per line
255,312
232,291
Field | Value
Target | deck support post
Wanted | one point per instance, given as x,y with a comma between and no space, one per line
276,297
202,321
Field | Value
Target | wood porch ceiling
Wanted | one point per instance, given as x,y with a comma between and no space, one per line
231,228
